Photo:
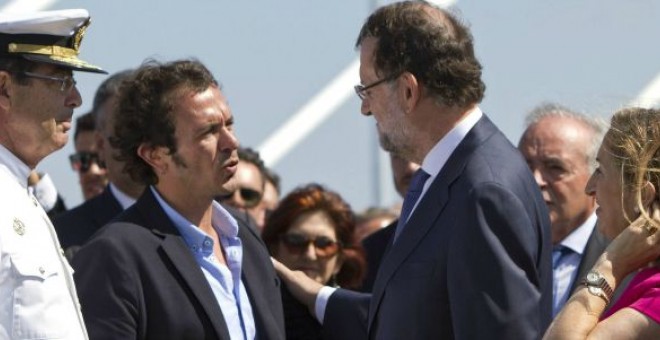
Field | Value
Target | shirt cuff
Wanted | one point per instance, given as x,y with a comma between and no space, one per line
322,301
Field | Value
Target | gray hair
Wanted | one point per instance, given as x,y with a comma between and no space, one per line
597,125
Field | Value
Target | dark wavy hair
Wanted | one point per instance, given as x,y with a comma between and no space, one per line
146,102
430,43
312,198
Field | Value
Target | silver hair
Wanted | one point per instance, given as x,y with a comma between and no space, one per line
597,125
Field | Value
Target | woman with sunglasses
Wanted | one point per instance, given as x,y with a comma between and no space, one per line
627,187
311,230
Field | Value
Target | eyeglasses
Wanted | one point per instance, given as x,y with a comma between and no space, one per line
66,82
298,244
251,198
361,90
82,161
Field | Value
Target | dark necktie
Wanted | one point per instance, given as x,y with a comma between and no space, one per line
558,252
414,191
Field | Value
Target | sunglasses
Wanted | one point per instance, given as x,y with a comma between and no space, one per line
298,244
82,161
250,197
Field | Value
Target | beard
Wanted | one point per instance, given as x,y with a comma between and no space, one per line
394,141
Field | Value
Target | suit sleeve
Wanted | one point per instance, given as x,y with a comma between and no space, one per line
493,279
346,315
107,291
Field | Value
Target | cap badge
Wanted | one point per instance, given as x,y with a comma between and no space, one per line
77,38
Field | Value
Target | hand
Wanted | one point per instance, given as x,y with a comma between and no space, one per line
635,247
300,285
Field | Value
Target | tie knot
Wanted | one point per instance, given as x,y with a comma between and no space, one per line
418,180
558,252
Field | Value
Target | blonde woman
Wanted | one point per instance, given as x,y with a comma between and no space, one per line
627,188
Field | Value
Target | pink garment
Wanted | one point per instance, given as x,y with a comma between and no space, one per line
642,295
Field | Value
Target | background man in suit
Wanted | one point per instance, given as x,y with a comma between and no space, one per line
85,161
472,260
560,148
250,181
77,225
38,54
176,265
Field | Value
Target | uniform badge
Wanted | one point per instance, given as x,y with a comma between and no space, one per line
19,226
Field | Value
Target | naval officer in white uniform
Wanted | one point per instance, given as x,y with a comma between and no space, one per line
38,54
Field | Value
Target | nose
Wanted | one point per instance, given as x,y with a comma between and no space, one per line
228,141
590,188
364,108
538,177
310,252
73,98
95,169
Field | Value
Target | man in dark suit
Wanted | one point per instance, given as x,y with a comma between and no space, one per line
472,260
77,225
560,148
176,265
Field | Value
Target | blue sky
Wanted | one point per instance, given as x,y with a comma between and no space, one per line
272,57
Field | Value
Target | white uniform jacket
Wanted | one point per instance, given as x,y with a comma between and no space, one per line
37,297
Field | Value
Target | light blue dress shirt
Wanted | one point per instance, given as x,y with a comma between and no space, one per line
225,281
564,271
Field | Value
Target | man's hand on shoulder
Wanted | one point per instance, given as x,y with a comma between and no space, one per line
303,288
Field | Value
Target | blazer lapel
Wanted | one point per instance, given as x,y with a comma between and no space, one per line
428,210
174,247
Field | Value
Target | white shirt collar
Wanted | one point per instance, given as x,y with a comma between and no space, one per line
439,154
578,238
15,166
124,200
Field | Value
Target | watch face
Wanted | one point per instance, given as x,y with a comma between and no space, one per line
592,277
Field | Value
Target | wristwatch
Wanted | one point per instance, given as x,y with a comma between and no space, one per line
598,286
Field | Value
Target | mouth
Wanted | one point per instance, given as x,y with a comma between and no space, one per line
65,124
231,165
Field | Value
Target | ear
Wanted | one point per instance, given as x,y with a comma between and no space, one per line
410,91
649,193
156,157
6,83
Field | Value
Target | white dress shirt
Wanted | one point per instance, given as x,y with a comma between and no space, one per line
565,271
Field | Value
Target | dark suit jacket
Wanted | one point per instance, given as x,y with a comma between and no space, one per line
595,246
374,248
76,226
57,209
473,262
137,279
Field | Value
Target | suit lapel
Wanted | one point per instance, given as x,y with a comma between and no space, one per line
175,249
427,212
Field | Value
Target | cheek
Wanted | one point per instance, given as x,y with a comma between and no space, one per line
283,255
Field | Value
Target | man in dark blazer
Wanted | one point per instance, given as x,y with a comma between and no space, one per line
472,260
176,264
77,225
560,147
